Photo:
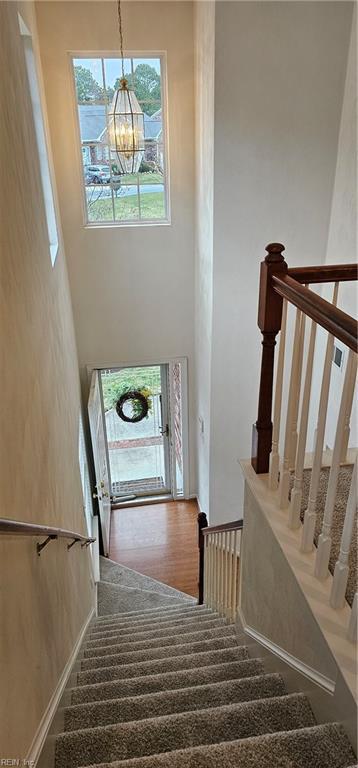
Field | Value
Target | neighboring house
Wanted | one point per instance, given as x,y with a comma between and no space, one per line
92,125
92,118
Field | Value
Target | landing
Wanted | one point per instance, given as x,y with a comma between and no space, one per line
160,541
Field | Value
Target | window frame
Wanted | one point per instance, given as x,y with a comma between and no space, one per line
162,56
42,139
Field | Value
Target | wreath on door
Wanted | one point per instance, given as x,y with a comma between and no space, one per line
140,406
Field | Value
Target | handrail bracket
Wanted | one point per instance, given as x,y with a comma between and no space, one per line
72,543
44,544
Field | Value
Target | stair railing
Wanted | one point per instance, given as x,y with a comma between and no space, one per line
11,527
219,549
283,289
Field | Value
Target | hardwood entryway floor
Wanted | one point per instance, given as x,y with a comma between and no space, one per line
159,540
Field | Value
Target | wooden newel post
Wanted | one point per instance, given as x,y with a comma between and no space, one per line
269,322
202,523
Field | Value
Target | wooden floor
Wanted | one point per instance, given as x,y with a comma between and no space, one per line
159,540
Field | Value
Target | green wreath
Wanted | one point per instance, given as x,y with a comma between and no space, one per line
140,406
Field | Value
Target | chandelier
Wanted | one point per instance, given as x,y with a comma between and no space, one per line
125,121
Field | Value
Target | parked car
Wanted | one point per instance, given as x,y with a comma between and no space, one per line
100,174
97,174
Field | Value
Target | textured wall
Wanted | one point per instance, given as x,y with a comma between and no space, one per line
44,601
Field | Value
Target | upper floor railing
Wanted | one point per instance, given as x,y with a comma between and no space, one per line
280,285
283,290
19,528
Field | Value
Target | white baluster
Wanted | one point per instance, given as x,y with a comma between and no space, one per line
297,392
346,431
352,627
275,458
296,495
234,579
341,570
309,522
324,541
285,474
212,570
227,543
217,571
229,595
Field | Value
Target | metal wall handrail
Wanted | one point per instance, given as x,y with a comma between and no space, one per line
21,528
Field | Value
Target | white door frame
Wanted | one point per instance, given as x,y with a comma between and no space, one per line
90,367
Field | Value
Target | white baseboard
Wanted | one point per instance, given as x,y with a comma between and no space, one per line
38,742
299,666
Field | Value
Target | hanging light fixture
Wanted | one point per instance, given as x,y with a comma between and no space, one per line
125,121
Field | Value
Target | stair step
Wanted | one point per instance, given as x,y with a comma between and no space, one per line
136,686
157,642
176,626
155,613
320,746
167,702
147,654
170,732
169,664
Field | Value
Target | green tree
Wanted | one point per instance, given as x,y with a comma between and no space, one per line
86,86
146,84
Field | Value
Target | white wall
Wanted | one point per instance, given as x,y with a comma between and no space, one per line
132,288
342,236
204,103
279,78
44,600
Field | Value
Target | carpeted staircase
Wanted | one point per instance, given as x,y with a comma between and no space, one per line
173,685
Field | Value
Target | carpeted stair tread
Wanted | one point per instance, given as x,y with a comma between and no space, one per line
136,686
168,702
155,642
178,628
320,746
115,573
115,599
170,732
161,613
164,651
169,664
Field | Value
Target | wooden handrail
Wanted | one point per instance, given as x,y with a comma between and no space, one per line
21,528
328,273
336,322
236,525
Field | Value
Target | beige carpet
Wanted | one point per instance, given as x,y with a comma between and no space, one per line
173,686
344,482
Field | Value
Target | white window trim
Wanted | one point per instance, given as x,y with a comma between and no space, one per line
162,55
41,140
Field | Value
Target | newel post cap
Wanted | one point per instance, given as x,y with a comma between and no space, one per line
274,252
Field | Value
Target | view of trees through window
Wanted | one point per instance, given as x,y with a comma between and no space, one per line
111,196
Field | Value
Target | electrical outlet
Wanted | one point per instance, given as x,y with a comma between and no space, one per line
338,356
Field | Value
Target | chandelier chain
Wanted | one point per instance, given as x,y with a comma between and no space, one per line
120,33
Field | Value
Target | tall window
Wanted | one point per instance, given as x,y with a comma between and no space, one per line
41,141
110,197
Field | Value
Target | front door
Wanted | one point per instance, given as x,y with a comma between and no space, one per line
98,437
137,421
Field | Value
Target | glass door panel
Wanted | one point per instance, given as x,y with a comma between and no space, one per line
136,415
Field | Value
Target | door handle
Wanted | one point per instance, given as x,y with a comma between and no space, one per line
164,430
